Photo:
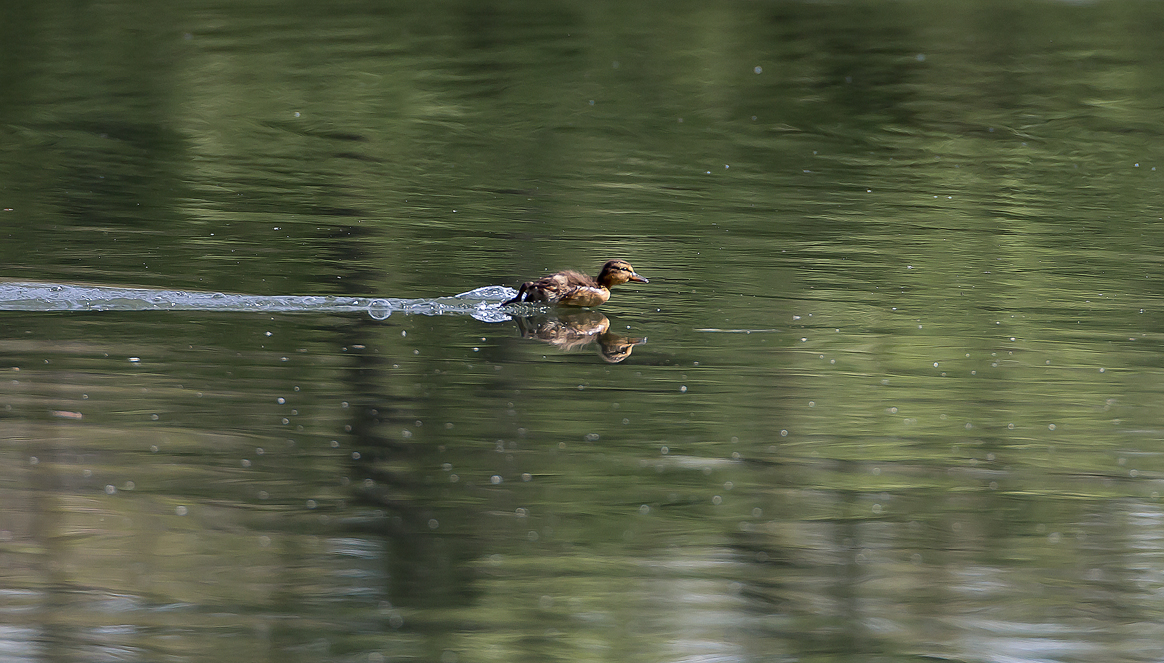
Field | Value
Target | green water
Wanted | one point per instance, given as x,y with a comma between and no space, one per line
901,394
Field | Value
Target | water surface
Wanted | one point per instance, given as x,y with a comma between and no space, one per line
894,389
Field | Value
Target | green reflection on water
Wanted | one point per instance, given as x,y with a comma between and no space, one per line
901,391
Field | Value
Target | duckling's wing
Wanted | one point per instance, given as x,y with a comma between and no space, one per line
573,279
545,289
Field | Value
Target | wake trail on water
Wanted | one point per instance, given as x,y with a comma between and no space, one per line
482,303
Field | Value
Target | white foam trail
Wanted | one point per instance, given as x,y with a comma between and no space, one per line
482,303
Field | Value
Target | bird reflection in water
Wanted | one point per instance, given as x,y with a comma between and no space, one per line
577,329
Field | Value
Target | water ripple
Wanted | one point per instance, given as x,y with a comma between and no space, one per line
482,303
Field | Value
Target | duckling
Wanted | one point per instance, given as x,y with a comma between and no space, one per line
569,288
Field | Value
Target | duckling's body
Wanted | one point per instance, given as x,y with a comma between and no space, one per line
570,288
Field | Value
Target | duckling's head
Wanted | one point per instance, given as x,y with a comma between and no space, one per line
615,272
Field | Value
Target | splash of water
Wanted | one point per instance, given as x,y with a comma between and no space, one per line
482,303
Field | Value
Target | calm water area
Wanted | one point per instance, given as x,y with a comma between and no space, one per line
894,392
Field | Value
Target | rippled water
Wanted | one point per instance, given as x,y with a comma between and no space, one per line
893,390
481,303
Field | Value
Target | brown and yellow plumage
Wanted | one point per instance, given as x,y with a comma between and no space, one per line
570,288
